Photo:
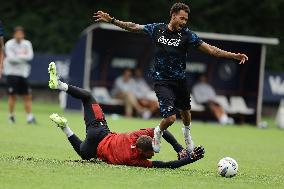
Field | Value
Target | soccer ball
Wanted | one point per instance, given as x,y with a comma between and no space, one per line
227,167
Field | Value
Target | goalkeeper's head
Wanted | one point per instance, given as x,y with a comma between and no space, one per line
144,146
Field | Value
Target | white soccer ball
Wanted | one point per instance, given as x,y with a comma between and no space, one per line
227,167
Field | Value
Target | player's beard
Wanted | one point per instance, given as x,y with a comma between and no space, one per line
179,26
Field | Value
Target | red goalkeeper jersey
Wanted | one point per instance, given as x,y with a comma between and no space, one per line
120,149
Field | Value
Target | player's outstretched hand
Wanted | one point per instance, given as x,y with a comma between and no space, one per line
101,16
183,154
242,57
197,153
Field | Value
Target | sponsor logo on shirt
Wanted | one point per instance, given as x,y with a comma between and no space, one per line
170,42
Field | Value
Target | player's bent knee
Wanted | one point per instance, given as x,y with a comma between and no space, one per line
89,97
171,119
185,114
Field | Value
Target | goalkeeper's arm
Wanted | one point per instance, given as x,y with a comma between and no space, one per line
197,154
171,140
181,152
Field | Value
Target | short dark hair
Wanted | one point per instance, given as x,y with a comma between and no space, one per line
19,28
179,6
144,142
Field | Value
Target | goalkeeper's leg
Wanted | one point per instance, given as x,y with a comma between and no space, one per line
93,114
76,92
91,107
61,122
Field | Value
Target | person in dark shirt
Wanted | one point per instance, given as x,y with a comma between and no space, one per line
171,42
132,148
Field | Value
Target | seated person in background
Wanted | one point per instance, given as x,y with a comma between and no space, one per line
145,95
205,94
123,89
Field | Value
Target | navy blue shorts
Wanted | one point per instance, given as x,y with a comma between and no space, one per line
18,85
173,96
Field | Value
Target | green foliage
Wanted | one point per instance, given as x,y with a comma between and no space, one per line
41,157
54,26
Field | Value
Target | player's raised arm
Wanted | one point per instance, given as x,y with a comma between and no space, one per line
101,16
215,51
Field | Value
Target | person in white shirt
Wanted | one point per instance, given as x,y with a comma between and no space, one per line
17,68
1,48
204,93
123,89
145,95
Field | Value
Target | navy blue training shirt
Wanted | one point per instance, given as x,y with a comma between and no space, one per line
170,50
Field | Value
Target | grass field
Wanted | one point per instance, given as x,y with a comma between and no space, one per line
41,157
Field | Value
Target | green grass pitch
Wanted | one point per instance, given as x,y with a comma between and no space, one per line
41,157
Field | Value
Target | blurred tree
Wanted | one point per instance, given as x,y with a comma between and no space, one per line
54,26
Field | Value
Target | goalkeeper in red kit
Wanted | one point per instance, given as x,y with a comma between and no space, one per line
132,148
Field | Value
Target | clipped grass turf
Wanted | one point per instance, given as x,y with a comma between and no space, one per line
40,156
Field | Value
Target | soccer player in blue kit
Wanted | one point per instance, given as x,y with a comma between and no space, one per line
171,42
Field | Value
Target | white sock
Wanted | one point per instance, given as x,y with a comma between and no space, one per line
187,137
158,130
67,131
62,86
156,142
30,116
224,119
186,130
146,114
187,125
11,115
